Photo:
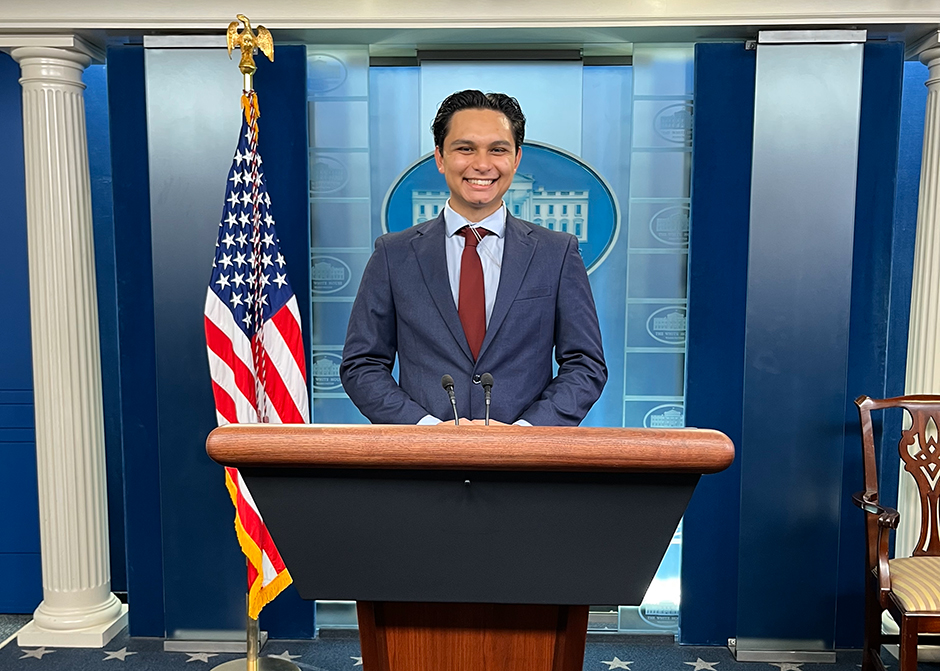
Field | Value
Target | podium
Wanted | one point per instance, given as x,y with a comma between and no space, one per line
471,547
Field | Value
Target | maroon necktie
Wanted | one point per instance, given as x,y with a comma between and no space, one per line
471,302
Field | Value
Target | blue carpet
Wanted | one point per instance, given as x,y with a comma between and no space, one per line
342,654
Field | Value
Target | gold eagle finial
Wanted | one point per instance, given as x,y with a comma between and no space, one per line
249,42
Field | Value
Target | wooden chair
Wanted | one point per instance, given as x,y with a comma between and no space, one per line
907,587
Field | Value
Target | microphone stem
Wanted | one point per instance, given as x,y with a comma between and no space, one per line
486,415
453,403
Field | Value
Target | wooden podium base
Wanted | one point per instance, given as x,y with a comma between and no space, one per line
398,636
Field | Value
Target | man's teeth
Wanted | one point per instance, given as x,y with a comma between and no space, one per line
481,182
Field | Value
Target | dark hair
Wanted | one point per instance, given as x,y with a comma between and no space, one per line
473,99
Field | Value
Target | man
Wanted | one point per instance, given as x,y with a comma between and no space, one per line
475,291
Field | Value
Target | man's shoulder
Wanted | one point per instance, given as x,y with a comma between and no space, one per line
540,233
397,238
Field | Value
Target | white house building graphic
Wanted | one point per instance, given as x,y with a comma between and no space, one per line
555,210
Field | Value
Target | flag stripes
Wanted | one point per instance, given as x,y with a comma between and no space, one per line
254,342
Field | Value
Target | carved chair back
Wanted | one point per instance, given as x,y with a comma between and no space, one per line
919,449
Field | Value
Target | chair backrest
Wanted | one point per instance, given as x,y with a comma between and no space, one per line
919,449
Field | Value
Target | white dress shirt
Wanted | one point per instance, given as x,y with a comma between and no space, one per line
490,249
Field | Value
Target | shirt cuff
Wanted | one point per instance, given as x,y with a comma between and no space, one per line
428,420
521,422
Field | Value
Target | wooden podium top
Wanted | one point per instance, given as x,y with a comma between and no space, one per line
489,448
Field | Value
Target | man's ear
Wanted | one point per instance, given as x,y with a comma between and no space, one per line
439,159
518,159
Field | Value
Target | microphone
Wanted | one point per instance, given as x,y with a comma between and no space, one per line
487,381
448,383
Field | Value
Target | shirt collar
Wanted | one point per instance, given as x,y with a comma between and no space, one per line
495,223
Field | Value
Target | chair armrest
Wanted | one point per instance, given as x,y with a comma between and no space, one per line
888,518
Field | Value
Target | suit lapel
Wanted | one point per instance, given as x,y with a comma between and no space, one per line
429,250
517,254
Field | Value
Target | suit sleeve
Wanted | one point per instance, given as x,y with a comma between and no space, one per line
371,347
582,371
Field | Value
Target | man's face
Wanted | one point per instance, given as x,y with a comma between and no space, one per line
478,161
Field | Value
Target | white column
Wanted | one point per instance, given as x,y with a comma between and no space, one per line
923,343
78,608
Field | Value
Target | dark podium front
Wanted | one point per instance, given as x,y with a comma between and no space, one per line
471,547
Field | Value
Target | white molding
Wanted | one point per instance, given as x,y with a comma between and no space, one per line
929,41
358,14
185,42
811,36
75,43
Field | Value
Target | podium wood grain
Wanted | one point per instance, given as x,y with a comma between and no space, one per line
471,637
498,448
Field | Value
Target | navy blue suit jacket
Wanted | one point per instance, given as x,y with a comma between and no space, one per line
405,307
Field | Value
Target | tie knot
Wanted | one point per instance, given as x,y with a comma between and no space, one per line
470,234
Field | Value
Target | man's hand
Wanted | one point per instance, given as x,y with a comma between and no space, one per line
449,422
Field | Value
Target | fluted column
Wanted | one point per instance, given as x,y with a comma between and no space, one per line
78,608
923,343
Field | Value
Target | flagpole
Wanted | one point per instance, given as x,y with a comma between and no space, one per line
249,44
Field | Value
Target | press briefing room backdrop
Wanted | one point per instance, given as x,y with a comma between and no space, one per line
746,210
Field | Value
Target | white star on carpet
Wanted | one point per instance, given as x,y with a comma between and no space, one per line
616,663
787,666
117,654
200,657
701,665
286,655
36,654
358,661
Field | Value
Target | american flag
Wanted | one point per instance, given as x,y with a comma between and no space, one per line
253,336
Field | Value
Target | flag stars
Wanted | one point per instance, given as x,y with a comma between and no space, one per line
242,239
236,300
268,219
240,258
266,260
238,279
226,261
228,240
243,218
280,260
233,199
236,178
246,198
265,281
267,199
268,240
231,220
280,280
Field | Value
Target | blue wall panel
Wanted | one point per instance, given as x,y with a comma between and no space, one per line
871,285
19,536
910,152
718,243
134,275
882,247
99,166
803,190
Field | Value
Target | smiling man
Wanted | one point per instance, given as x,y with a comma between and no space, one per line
475,291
